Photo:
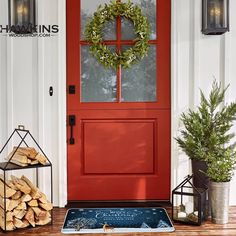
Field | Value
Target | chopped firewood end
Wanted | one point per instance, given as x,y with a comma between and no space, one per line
24,156
25,204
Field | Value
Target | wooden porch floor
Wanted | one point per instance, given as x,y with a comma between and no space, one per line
205,229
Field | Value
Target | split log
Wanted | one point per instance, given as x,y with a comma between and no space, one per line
35,192
29,152
27,206
20,223
40,214
9,191
10,204
18,163
9,225
17,156
33,203
30,216
41,158
21,206
46,206
37,211
34,162
24,156
43,199
26,222
11,184
9,215
44,221
21,185
17,195
26,198
19,214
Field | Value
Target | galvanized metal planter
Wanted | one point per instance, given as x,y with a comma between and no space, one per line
219,198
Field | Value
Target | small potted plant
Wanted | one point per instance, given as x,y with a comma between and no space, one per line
221,166
205,138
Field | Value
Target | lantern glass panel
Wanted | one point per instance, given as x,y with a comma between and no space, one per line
22,15
189,203
215,18
216,15
186,207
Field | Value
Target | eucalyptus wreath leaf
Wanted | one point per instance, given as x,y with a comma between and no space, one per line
106,13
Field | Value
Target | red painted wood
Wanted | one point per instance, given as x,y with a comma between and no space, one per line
122,150
121,139
120,185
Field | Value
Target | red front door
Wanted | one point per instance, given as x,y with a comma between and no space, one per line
121,148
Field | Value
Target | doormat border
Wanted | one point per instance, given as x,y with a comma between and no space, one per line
166,224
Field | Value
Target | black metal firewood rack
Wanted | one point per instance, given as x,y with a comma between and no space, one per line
6,166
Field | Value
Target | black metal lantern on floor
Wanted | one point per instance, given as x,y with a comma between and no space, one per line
189,203
215,17
22,16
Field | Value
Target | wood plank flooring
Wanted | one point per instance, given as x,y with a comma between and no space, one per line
181,230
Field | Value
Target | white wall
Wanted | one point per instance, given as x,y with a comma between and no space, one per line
196,60
29,66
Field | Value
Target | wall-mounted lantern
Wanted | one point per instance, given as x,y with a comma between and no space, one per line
22,16
215,17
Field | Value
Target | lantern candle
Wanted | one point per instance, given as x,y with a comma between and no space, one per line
182,214
189,207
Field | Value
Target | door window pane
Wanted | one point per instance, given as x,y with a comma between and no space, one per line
98,84
149,10
139,82
127,29
88,7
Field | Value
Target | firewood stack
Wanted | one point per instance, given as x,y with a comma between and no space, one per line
25,204
24,156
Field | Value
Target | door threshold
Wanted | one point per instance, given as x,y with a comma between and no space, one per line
107,204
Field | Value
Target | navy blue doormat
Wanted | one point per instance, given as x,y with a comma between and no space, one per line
116,220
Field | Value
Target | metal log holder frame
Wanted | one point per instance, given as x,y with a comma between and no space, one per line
8,166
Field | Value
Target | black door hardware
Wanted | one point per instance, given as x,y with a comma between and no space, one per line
71,89
72,121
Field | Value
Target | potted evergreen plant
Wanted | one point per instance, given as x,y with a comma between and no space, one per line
205,138
221,166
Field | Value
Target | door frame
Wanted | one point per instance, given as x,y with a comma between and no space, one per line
61,96
162,43
61,185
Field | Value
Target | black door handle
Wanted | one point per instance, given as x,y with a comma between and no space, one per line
71,124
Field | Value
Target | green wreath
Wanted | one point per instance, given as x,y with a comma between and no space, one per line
93,34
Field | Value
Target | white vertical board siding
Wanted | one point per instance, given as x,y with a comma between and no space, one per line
52,109
48,73
197,60
3,76
180,73
29,66
24,81
230,74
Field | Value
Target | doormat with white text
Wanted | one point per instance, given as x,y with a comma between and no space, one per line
116,220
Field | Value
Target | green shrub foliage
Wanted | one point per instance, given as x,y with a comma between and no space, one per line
206,134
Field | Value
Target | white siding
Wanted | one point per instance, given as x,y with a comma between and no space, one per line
196,60
29,66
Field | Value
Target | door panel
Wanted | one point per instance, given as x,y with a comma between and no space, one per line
122,130
109,146
119,153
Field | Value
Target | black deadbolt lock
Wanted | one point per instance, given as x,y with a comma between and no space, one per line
71,89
